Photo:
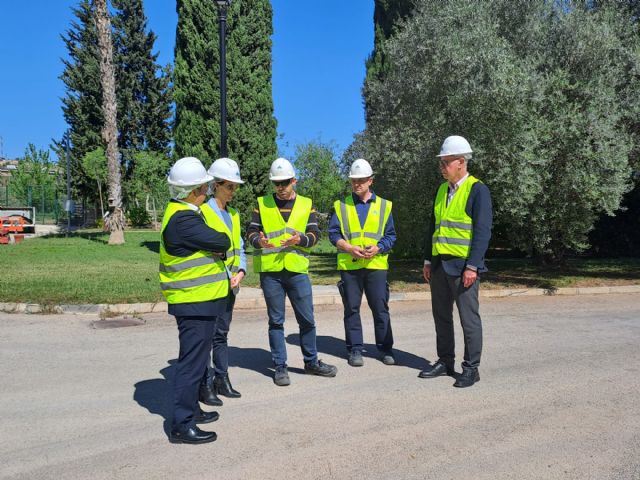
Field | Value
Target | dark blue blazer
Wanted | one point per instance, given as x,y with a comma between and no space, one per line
186,233
480,209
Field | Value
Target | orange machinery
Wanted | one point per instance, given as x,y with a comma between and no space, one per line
13,225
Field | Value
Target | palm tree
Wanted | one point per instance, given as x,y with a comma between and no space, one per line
115,220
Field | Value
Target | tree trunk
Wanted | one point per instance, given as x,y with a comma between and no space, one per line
101,202
110,129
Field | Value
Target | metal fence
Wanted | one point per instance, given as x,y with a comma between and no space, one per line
49,205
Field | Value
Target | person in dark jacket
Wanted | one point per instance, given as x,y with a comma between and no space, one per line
454,257
195,282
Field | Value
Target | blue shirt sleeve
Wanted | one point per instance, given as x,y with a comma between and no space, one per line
335,233
243,256
389,236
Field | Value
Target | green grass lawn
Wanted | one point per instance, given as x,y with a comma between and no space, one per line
83,268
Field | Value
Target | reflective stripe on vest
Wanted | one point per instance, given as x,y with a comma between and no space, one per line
453,227
363,236
200,277
277,258
214,221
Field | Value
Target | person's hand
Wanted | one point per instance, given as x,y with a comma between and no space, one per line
371,251
356,252
235,281
468,277
426,273
293,240
264,241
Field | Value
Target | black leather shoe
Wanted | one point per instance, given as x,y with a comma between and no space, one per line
206,417
222,386
207,395
437,370
192,435
467,378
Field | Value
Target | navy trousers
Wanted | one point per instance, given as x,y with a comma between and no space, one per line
375,287
195,343
219,364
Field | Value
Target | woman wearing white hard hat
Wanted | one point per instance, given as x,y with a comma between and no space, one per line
194,280
223,218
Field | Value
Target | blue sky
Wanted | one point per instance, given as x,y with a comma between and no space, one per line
319,50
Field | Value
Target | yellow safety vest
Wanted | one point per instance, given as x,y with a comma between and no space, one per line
214,221
200,277
294,258
453,227
363,236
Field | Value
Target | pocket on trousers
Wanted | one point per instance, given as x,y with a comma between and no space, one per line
340,285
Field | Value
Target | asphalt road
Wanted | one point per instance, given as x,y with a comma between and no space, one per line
559,399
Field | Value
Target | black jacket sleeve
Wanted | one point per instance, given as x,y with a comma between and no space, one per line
187,233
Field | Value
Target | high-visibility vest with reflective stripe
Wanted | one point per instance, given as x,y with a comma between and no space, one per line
276,259
200,277
363,236
214,221
453,227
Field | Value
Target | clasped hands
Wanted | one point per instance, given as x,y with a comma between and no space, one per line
289,242
360,253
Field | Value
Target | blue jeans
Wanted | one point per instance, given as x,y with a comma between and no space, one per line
275,285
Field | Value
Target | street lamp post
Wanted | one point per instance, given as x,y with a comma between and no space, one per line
222,22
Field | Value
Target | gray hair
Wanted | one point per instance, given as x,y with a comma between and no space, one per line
180,193
467,157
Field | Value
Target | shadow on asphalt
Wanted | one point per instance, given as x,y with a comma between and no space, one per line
256,359
156,395
337,347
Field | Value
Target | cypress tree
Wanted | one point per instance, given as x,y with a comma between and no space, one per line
387,15
142,88
251,125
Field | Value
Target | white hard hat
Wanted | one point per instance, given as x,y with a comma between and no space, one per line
281,169
360,169
188,172
455,145
225,169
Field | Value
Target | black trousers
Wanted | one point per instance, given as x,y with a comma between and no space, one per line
375,286
195,343
445,291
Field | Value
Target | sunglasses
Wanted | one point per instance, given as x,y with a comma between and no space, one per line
282,183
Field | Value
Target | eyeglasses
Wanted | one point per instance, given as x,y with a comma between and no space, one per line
282,183
445,163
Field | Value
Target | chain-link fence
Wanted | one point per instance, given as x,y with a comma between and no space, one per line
49,205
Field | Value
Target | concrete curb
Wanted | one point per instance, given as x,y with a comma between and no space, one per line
254,301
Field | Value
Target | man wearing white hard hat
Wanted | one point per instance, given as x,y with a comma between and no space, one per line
362,229
282,231
223,218
454,257
195,283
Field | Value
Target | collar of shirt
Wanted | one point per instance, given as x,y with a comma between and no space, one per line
214,206
356,198
454,187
